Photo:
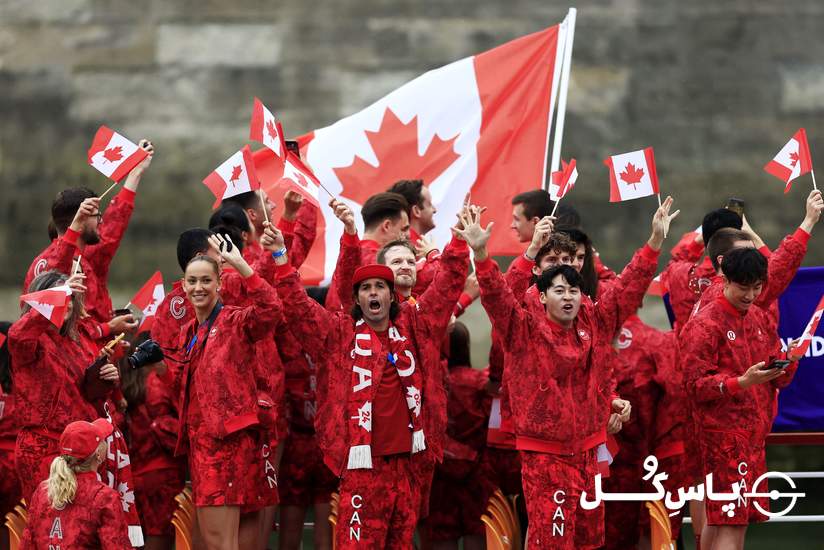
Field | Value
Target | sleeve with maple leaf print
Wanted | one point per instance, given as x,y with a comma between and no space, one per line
160,404
113,227
339,297
603,272
700,341
438,301
508,316
519,276
24,335
306,229
308,321
626,292
260,318
113,529
782,265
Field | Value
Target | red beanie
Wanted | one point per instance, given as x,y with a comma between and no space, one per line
373,271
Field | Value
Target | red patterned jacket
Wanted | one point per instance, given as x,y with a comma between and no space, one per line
153,427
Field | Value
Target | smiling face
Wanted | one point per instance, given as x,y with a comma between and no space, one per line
425,212
524,227
562,301
201,283
374,298
402,263
742,296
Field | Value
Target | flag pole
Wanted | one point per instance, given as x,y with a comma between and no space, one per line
562,94
554,208
812,173
106,192
263,206
76,267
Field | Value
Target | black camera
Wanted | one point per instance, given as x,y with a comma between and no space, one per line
146,353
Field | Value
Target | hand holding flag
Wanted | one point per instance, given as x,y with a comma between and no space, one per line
148,298
792,161
632,175
113,155
563,182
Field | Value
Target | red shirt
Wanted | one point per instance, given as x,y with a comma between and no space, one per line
94,519
390,426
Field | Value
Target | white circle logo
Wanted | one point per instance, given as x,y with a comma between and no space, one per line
731,336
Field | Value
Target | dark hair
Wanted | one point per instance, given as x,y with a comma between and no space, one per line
230,214
589,277
191,243
723,241
572,277
537,203
558,242
745,266
248,200
51,229
66,204
208,260
459,355
718,218
567,217
411,191
133,381
232,232
5,359
394,309
382,206
403,243
318,293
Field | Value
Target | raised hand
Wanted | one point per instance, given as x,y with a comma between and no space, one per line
468,228
292,201
660,224
272,238
540,235
424,246
471,286
132,180
88,208
230,253
814,206
344,214
75,282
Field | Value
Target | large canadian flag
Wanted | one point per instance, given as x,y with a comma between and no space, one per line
50,303
792,161
632,175
114,155
148,298
235,176
480,124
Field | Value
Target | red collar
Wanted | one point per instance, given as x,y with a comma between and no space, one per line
728,307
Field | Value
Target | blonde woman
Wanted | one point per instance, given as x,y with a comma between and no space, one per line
73,508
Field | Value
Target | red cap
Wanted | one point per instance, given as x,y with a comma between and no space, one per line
373,271
80,439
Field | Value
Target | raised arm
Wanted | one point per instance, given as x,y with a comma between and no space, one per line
339,297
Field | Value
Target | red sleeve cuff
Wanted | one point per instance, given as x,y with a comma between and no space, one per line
465,300
105,330
283,271
485,266
648,253
253,281
350,239
731,385
287,226
801,236
765,251
127,195
71,236
522,264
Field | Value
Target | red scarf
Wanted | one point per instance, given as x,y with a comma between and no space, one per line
117,474
359,406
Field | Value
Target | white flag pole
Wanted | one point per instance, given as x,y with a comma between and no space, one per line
812,172
562,96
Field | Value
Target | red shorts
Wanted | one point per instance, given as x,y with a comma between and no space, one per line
460,494
33,455
304,479
154,494
225,472
10,492
552,487
732,458
379,506
265,480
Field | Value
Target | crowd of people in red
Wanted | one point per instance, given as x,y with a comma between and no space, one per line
272,395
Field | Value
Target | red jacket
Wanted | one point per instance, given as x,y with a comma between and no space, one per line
39,354
354,253
95,260
94,519
153,427
219,375
468,406
299,235
173,313
425,323
571,368
717,346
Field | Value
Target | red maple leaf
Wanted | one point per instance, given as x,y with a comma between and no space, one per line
632,175
793,158
396,147
271,130
113,154
236,172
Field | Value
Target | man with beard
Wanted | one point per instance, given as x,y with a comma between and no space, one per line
93,237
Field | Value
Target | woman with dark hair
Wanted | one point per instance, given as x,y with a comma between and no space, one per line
48,366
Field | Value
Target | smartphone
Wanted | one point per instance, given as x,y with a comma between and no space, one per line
736,205
292,145
122,311
226,245
778,364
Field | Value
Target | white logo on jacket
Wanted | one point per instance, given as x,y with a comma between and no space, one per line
177,307
731,336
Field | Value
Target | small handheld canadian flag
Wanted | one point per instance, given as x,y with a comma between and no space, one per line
265,128
807,337
563,181
792,161
235,176
148,298
50,303
114,155
298,177
632,175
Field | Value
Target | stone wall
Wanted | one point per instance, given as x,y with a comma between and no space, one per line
715,87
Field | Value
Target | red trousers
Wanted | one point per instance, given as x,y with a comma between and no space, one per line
304,479
379,507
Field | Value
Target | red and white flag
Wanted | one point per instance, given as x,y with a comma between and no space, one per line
148,298
265,128
564,180
452,127
114,155
297,177
235,176
792,161
807,337
50,303
632,175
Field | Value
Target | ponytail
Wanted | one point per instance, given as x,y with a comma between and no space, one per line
62,483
